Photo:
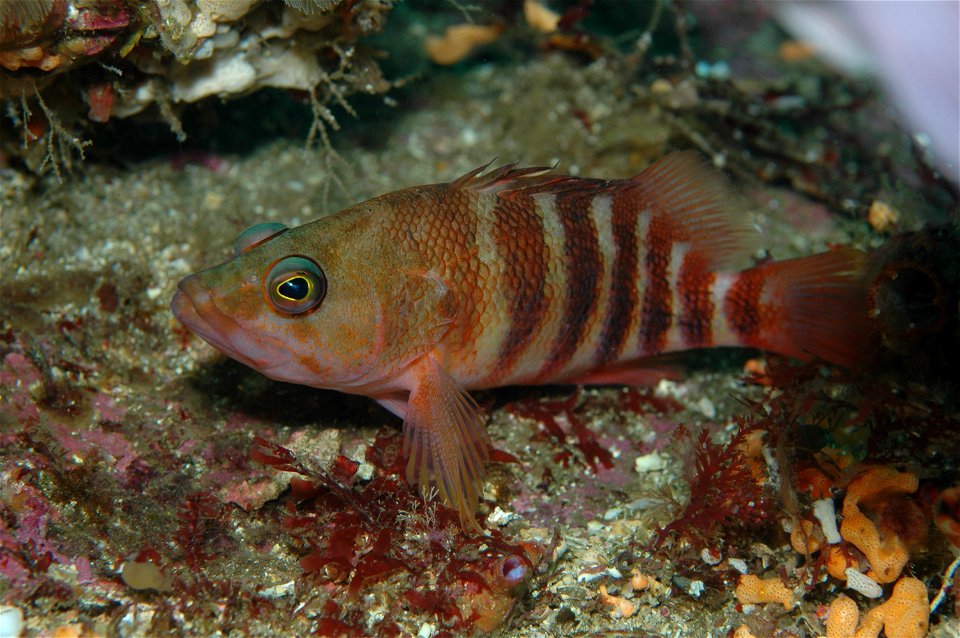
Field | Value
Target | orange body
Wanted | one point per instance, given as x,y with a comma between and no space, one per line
519,276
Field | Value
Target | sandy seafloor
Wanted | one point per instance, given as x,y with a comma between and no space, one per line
114,419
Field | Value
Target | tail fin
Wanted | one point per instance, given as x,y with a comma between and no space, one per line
807,308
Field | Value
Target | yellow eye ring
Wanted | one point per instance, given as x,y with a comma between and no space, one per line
295,285
294,288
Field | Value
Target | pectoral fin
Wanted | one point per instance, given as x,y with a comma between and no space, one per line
445,437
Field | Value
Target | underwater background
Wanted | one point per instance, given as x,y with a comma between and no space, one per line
151,486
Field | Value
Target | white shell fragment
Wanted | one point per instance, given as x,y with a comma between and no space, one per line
501,517
652,462
826,513
710,556
860,582
11,621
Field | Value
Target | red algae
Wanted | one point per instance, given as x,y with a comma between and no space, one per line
201,534
546,413
358,535
724,493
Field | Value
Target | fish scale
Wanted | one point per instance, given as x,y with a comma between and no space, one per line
516,276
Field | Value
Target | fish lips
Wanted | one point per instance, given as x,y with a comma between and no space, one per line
195,308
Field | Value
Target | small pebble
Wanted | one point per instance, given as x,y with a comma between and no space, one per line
652,462
144,575
500,517
365,471
661,86
279,591
707,408
696,588
882,216
612,513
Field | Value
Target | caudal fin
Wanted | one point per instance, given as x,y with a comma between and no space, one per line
807,308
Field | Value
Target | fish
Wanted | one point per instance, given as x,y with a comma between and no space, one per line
515,276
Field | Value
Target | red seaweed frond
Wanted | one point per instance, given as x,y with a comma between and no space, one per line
352,534
263,451
724,492
549,415
202,528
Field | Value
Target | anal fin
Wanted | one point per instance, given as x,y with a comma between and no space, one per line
445,438
648,371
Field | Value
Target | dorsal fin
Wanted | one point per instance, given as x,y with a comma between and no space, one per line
696,203
505,178
690,199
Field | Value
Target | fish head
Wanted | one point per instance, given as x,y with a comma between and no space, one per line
292,304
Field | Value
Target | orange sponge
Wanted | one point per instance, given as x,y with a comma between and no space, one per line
842,618
815,482
752,590
837,561
905,615
888,553
806,537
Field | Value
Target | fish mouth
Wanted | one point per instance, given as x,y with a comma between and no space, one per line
193,306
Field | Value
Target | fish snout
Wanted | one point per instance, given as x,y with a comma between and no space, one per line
182,303
194,306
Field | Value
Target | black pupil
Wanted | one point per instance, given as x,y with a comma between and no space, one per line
294,288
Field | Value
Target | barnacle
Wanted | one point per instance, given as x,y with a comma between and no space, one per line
24,13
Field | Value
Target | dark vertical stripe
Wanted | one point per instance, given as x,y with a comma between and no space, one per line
518,232
741,305
694,285
657,311
584,273
623,285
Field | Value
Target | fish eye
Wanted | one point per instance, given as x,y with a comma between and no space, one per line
295,285
256,235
